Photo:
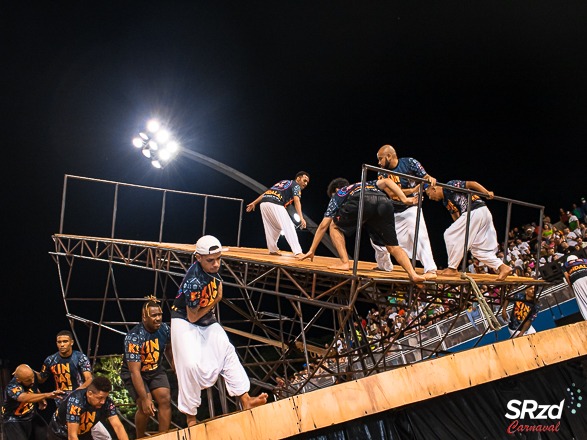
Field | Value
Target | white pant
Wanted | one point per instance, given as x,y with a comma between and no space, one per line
482,239
200,355
405,229
580,289
514,333
276,219
99,432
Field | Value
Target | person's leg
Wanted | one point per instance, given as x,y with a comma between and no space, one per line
162,396
454,238
271,226
382,257
424,249
483,242
580,290
402,258
339,243
289,230
186,345
141,419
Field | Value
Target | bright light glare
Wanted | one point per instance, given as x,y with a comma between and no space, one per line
156,164
172,146
137,142
153,125
153,145
144,136
147,153
165,154
296,217
162,136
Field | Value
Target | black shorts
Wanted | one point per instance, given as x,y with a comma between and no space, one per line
378,218
151,379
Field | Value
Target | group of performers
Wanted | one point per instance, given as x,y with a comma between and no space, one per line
389,216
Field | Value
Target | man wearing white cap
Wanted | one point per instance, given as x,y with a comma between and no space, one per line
201,349
576,276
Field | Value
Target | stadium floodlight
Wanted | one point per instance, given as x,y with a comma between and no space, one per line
156,144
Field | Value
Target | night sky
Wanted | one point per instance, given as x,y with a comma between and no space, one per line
490,91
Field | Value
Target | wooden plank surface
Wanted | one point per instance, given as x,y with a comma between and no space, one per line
410,384
320,263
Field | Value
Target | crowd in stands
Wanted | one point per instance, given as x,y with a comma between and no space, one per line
382,323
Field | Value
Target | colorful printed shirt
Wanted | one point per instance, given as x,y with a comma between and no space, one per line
76,409
457,202
522,308
411,167
282,193
144,347
198,288
576,269
67,372
342,195
12,409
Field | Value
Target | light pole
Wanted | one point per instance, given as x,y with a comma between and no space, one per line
157,145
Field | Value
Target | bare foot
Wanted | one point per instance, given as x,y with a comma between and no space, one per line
417,278
249,402
430,275
504,271
341,266
449,271
275,253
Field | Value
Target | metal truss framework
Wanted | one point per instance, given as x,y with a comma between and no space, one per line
285,321
281,319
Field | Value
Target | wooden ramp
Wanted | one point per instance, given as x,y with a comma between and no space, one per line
320,264
394,389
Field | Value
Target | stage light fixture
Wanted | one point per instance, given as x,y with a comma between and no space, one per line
156,144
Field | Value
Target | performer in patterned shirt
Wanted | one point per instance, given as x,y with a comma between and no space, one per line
524,312
142,371
482,240
405,214
576,276
82,409
201,349
71,370
273,204
19,411
341,219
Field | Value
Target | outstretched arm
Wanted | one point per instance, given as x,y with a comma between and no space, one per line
251,206
298,206
394,191
476,186
320,231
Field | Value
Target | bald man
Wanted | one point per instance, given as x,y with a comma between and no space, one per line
21,399
405,214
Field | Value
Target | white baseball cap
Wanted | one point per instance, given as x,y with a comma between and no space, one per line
572,258
208,245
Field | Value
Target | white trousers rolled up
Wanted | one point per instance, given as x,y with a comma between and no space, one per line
482,239
276,219
200,355
405,228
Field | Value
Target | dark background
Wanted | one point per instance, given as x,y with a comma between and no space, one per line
490,91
